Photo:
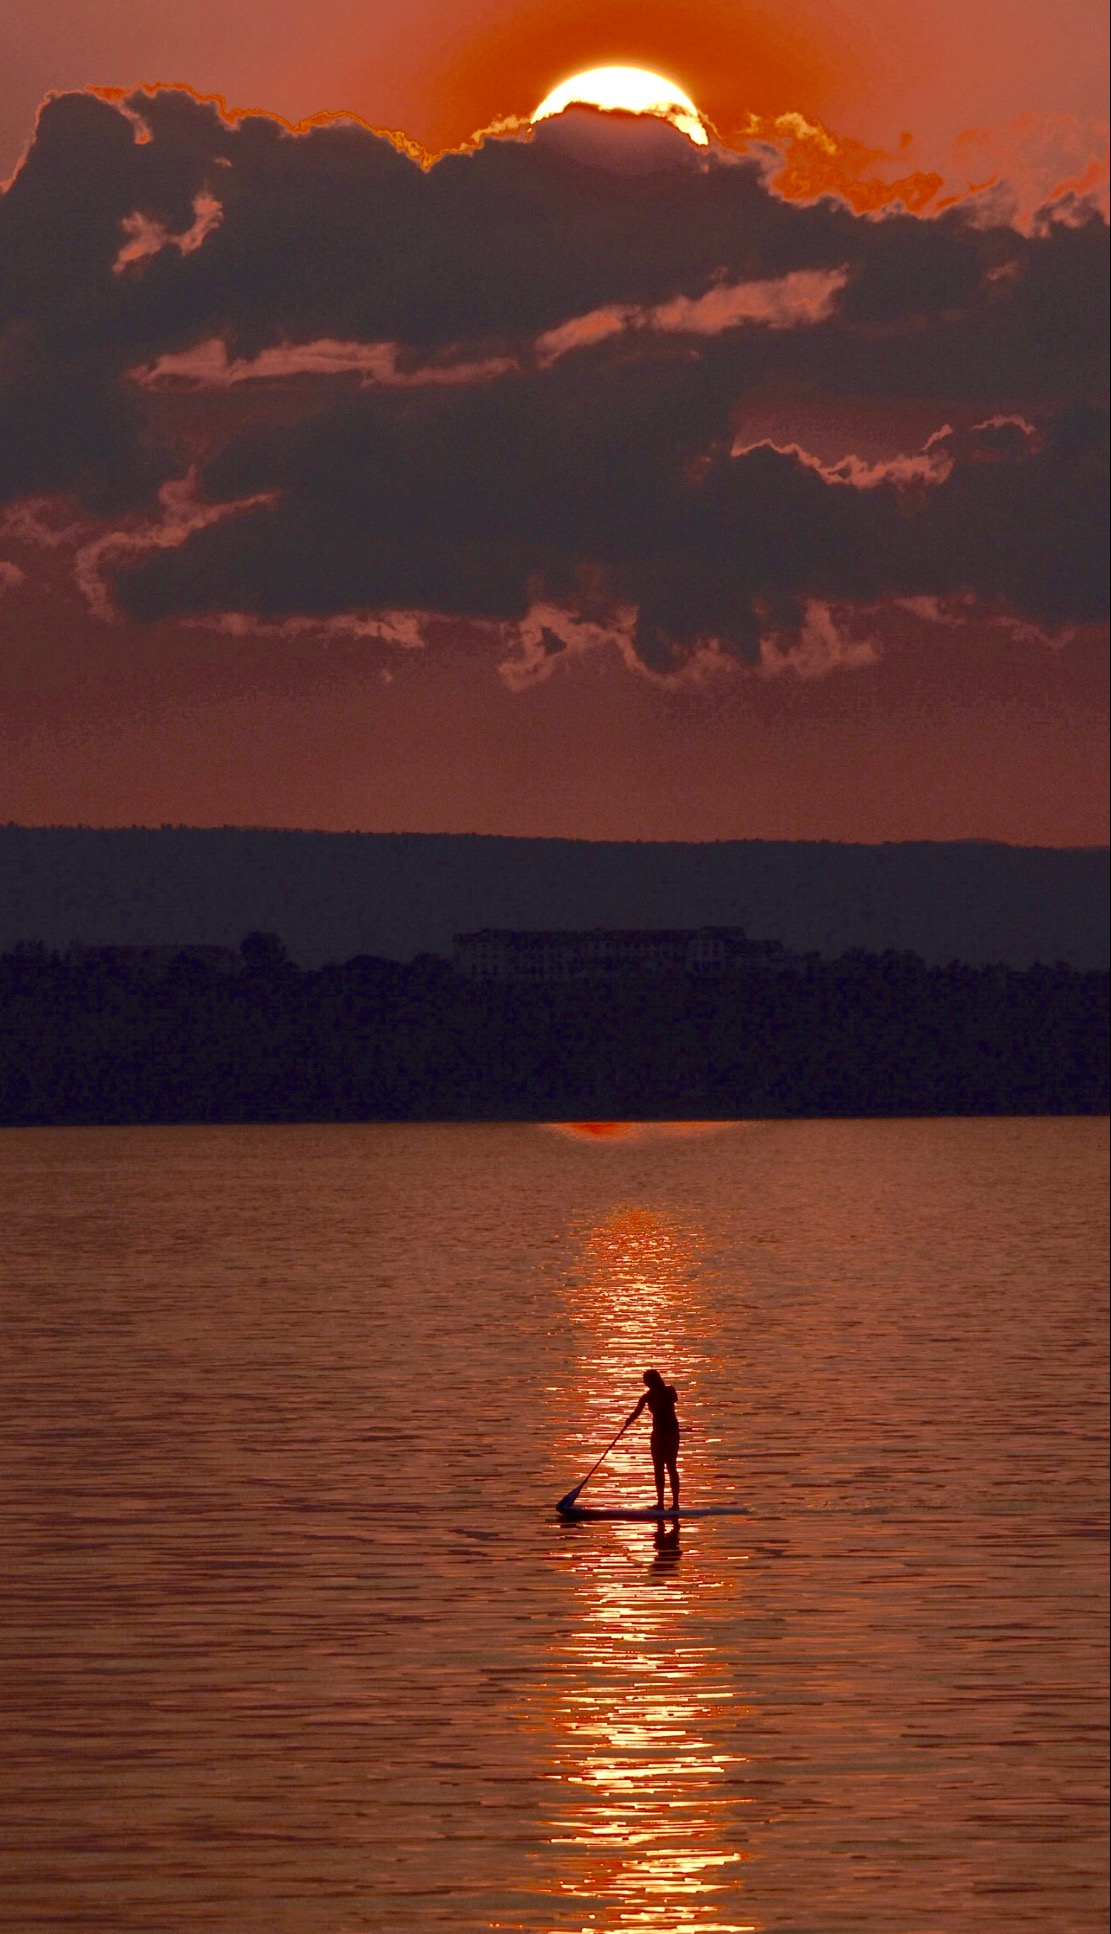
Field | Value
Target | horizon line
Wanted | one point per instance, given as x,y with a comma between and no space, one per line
553,839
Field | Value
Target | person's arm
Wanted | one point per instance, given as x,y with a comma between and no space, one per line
634,1414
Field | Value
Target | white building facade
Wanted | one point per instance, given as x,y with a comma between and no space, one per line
502,954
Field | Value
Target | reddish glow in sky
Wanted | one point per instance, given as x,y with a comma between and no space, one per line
441,68
925,704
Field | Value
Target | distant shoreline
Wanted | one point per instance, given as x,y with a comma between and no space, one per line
125,1037
333,896
537,839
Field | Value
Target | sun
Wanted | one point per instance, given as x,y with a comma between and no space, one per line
632,90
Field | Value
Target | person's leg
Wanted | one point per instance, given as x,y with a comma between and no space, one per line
673,1473
658,1473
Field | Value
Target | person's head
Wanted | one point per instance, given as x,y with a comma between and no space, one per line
653,1379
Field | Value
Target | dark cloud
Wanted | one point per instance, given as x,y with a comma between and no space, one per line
333,232
483,502
606,479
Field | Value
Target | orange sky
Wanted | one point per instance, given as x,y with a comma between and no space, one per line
169,724
441,68
998,736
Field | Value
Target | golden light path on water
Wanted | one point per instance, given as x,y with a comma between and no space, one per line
293,1641
650,1814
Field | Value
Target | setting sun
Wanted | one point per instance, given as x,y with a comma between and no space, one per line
630,90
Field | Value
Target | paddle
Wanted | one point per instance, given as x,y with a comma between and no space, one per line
565,1503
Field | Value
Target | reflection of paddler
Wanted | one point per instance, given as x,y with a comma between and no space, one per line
661,1399
668,1552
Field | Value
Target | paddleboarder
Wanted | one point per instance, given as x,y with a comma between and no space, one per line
661,1399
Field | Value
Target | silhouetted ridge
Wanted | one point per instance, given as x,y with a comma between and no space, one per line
334,895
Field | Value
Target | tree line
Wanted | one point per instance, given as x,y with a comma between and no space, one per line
114,1035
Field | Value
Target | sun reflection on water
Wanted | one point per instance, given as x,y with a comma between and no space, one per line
647,1827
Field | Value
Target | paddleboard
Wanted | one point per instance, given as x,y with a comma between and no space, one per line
575,1512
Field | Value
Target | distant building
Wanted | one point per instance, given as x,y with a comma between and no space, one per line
497,953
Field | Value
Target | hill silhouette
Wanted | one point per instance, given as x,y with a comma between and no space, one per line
335,895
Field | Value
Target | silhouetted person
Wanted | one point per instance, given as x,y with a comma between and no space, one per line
661,1399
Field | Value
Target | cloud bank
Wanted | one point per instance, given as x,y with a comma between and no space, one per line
290,375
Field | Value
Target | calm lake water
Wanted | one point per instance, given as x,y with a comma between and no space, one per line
292,1643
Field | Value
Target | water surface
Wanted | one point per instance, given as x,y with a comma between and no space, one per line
292,1643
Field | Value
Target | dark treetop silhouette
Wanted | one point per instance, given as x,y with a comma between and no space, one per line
207,1034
